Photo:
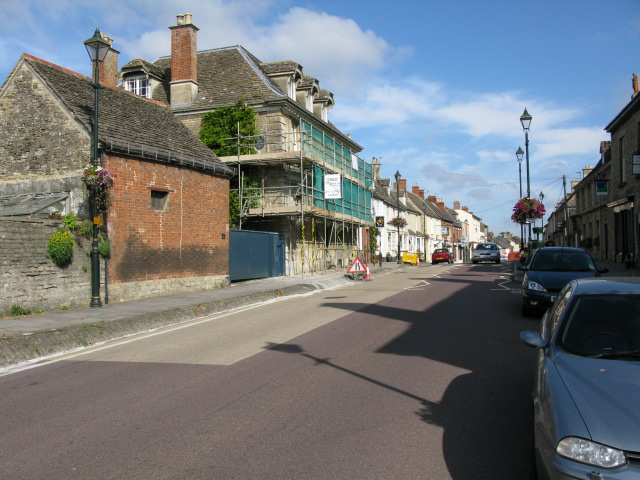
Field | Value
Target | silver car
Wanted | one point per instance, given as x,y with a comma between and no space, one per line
486,252
586,398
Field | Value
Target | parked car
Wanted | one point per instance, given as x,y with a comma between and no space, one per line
441,255
486,252
549,270
586,390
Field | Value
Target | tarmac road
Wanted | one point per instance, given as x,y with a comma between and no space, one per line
417,374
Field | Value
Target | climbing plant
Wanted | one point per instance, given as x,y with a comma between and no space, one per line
219,130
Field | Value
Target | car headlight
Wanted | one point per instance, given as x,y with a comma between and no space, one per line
591,453
531,285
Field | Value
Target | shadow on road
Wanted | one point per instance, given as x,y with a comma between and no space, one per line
485,414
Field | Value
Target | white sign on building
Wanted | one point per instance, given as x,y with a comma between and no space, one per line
332,184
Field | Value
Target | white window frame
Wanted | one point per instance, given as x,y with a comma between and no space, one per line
138,84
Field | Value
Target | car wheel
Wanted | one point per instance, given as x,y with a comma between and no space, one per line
498,261
474,261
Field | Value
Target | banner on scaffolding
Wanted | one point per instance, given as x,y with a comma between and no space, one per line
332,184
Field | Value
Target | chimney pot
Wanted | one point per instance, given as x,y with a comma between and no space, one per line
187,18
180,19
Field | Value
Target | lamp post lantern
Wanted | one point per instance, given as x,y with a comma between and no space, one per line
97,48
525,120
519,154
397,177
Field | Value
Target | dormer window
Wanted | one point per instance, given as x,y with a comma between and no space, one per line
291,88
138,84
309,102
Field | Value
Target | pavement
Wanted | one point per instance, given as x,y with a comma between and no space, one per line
30,339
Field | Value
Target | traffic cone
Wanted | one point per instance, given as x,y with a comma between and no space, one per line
367,276
418,262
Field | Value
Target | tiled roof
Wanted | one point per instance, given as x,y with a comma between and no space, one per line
225,75
128,122
147,67
281,66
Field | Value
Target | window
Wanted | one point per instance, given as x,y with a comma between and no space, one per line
623,174
309,102
138,85
291,83
159,200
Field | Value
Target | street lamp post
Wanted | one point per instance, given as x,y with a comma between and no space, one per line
525,120
542,218
519,154
397,177
97,48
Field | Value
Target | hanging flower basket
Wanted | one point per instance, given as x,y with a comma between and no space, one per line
527,209
100,181
397,222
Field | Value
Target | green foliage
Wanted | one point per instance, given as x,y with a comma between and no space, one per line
70,221
373,240
60,248
250,190
84,229
219,129
105,249
17,310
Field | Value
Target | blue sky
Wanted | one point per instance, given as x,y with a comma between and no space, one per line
434,88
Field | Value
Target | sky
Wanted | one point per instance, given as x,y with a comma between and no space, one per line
432,88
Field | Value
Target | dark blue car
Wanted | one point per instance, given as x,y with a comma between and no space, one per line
550,269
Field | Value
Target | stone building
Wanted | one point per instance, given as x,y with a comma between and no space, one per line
297,152
167,222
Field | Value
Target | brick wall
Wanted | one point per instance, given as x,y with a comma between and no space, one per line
184,240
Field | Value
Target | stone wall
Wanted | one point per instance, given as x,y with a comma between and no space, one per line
29,279
37,137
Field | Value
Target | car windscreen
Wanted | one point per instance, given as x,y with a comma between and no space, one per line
560,261
486,246
605,326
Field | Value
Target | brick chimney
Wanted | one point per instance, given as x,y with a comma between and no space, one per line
465,209
108,72
456,205
421,193
415,189
184,61
431,198
440,204
402,184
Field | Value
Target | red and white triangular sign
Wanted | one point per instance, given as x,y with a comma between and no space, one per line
357,267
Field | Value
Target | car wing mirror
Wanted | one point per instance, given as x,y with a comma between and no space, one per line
524,268
533,339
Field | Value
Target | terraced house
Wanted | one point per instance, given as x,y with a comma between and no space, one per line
309,185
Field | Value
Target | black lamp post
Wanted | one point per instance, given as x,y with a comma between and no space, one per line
519,154
525,120
397,177
542,218
97,47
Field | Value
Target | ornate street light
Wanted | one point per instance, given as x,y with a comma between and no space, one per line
525,120
397,177
97,48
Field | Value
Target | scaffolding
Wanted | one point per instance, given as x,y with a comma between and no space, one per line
290,167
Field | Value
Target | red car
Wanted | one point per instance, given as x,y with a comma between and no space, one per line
441,255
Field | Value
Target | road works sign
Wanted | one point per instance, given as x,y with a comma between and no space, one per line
357,267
